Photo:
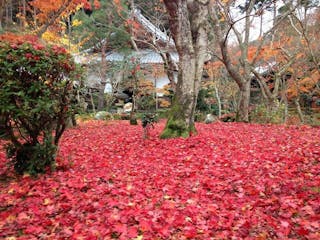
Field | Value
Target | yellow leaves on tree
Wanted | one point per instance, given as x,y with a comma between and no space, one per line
163,103
53,37
145,87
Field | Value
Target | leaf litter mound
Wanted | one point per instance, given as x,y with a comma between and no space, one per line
231,181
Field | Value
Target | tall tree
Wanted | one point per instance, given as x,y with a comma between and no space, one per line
241,68
188,26
302,33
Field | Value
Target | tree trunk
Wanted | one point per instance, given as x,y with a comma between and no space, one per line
188,21
181,118
218,100
170,67
243,107
92,102
8,17
101,98
2,8
241,79
297,103
103,70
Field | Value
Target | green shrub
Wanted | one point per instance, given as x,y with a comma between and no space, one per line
163,113
199,116
202,103
146,102
35,100
268,114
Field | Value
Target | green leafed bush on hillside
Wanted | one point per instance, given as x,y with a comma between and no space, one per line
35,99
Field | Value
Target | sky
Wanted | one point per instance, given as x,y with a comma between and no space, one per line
267,22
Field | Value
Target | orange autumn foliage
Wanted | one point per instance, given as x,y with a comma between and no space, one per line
45,9
304,85
18,39
265,54
213,68
44,12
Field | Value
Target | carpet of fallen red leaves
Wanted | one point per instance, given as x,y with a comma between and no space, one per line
231,181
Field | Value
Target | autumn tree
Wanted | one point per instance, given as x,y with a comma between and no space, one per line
188,26
301,44
39,16
242,67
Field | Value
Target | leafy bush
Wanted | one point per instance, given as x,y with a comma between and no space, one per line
146,102
268,114
35,99
202,103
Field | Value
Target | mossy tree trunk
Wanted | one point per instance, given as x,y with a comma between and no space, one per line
181,118
188,25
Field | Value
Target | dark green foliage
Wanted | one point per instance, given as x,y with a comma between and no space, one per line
32,158
177,125
175,128
202,104
146,102
271,113
35,101
105,26
3,133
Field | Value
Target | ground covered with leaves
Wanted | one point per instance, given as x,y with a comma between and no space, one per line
231,181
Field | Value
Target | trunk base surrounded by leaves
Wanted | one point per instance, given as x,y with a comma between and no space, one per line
177,124
177,128
188,25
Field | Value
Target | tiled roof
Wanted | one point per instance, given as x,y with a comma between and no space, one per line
143,57
151,28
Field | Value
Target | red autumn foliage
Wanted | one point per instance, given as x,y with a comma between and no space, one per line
231,181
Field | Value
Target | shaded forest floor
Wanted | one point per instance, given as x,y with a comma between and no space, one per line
231,181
